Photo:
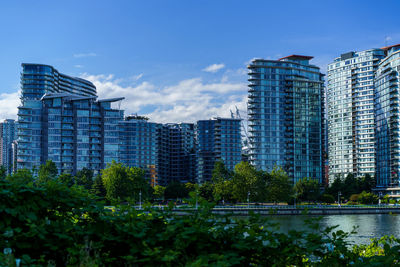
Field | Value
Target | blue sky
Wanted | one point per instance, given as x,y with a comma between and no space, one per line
180,60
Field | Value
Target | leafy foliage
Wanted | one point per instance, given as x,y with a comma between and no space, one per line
124,183
47,172
307,189
61,226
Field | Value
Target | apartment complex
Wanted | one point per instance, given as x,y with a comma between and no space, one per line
351,117
285,110
387,119
218,139
7,137
138,145
37,80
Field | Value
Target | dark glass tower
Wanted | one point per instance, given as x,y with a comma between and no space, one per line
217,139
285,112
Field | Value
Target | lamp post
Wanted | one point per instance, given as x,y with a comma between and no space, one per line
248,200
140,199
338,198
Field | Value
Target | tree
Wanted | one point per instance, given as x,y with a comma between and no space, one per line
350,186
244,182
335,187
47,172
206,191
220,172
21,177
307,189
159,192
98,187
123,182
223,191
367,182
67,179
175,190
3,172
327,198
279,187
84,178
367,198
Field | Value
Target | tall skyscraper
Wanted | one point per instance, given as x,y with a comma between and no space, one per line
7,137
387,100
36,81
351,123
217,139
286,116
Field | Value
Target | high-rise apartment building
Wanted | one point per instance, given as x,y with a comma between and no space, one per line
217,139
79,132
139,145
286,116
7,136
36,81
387,100
351,122
177,153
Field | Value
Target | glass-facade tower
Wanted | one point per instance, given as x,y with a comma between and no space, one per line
351,123
36,81
387,114
217,139
139,145
7,137
286,116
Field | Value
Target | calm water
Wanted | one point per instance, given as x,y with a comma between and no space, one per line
369,225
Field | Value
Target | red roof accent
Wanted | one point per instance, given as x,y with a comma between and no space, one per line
388,47
297,57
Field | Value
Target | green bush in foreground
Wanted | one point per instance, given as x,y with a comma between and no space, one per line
60,226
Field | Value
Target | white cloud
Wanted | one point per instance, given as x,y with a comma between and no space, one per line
214,68
137,77
388,38
186,101
80,55
9,105
78,66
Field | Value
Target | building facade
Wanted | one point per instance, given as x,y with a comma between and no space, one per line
36,81
177,153
286,116
79,132
351,119
387,119
139,145
7,137
217,139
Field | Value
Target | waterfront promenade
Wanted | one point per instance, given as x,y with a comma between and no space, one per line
297,210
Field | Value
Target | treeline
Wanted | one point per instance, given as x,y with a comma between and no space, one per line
244,184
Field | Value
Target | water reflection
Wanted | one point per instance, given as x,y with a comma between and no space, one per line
368,225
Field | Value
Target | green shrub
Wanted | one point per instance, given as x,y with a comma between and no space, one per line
327,198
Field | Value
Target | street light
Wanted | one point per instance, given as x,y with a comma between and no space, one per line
140,199
338,198
248,200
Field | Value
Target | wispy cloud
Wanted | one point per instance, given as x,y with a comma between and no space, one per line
137,77
186,101
80,55
214,68
78,66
